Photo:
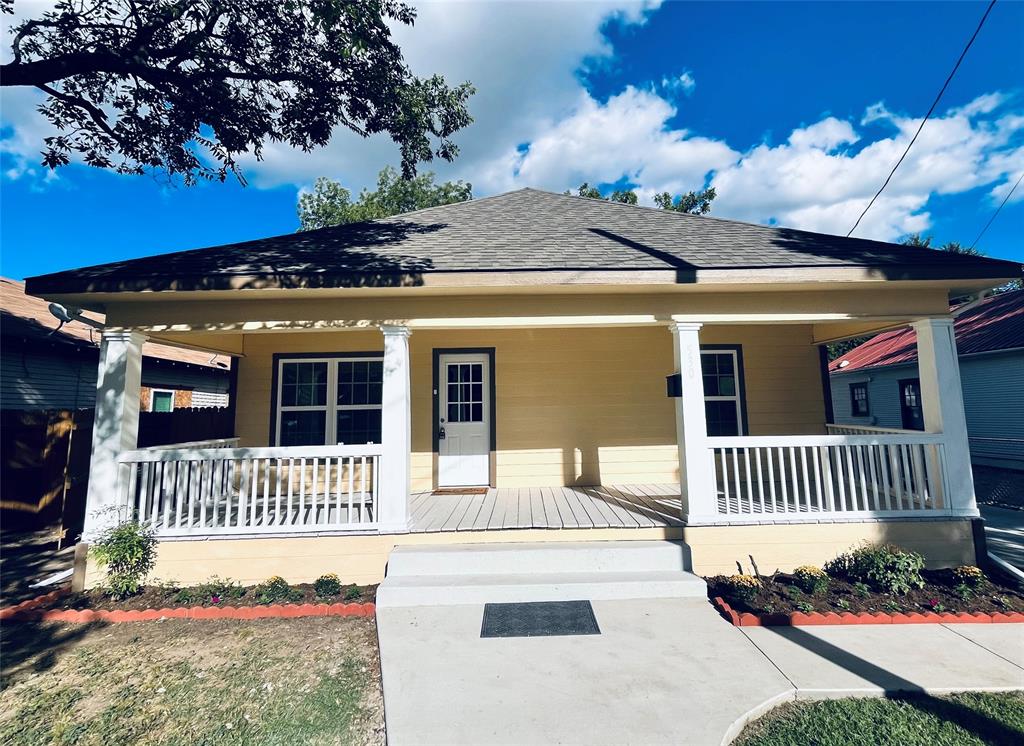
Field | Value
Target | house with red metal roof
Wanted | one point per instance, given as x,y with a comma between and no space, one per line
875,386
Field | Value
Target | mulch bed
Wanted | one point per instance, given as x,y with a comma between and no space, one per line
157,597
780,600
157,602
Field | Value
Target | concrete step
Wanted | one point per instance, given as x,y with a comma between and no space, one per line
450,590
547,557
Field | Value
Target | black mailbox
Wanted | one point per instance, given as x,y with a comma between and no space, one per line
674,385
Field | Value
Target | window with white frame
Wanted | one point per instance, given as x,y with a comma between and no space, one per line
328,400
723,405
161,400
859,402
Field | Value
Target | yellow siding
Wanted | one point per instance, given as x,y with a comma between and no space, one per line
574,406
715,550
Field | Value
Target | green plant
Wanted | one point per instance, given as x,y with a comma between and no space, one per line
127,550
744,587
884,567
276,590
794,592
811,579
968,575
863,589
327,586
805,607
352,593
964,592
843,604
891,605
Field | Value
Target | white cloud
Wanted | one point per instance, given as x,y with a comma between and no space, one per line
624,137
684,83
812,182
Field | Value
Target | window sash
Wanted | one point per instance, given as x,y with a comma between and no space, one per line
331,408
738,377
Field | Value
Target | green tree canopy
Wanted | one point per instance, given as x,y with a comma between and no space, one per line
694,203
186,86
331,204
925,242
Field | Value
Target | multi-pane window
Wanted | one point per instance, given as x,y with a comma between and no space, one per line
465,392
722,404
309,415
859,405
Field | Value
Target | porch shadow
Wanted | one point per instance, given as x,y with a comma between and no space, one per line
985,728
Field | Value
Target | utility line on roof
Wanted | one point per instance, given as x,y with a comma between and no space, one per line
926,117
1005,200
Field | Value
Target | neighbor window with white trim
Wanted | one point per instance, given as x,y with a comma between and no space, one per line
859,403
723,406
329,400
161,400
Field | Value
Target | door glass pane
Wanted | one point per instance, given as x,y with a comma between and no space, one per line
304,384
465,392
303,428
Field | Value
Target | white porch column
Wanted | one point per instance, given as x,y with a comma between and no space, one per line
396,432
942,404
696,476
116,425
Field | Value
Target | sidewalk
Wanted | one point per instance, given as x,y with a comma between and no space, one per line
661,671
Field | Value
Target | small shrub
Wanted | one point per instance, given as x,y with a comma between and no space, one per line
843,604
968,575
885,568
811,579
794,592
127,550
804,607
863,589
891,605
935,605
744,587
964,592
352,593
327,586
276,590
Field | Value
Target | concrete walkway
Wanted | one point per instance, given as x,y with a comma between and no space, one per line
661,671
1004,533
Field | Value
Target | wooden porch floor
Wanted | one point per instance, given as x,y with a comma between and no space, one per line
632,506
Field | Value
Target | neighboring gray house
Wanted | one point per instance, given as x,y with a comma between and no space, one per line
42,368
876,384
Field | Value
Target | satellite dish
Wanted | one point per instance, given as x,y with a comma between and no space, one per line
60,313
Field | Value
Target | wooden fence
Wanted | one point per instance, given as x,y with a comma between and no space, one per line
44,460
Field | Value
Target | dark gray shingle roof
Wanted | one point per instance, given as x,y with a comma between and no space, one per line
526,230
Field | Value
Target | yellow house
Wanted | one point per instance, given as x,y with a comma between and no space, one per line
531,367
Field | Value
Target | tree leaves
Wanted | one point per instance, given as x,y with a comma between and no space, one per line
186,86
331,204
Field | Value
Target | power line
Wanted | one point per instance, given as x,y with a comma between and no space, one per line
1005,200
926,117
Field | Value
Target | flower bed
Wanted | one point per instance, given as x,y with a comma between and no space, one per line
216,599
871,585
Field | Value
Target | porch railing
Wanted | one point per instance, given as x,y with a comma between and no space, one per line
210,443
834,429
218,490
828,477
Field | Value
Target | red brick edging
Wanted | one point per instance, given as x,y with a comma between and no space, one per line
799,619
27,611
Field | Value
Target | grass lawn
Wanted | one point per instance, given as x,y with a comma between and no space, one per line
270,681
956,720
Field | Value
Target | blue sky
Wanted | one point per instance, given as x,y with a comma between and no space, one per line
795,112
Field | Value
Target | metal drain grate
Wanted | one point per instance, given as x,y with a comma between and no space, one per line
539,619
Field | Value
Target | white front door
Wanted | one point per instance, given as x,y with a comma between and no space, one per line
464,429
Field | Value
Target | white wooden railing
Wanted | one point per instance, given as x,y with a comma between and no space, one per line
825,477
214,491
834,429
210,443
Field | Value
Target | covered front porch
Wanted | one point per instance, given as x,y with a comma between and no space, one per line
625,455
